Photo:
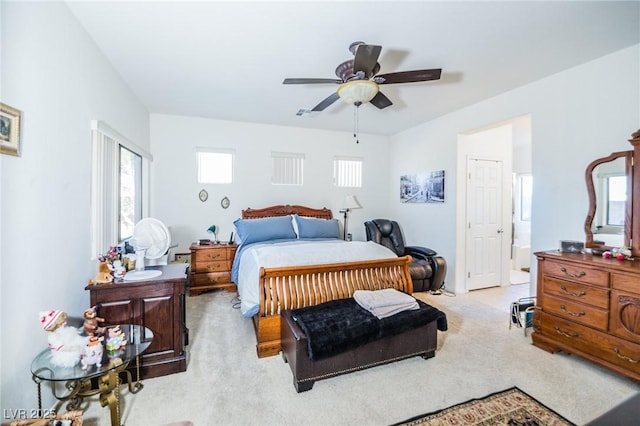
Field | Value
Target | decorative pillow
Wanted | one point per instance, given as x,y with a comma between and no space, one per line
269,228
294,223
309,227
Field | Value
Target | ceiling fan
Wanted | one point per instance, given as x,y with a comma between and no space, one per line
358,79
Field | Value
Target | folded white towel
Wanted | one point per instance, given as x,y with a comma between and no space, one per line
386,302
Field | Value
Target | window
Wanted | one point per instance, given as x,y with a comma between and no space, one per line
616,199
119,187
130,191
347,172
287,168
215,166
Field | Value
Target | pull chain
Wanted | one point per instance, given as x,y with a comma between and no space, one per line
356,123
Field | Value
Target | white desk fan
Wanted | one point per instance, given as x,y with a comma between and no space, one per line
151,241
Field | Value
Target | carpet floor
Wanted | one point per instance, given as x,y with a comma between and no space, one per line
227,384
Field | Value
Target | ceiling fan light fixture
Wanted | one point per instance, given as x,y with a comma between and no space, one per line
357,91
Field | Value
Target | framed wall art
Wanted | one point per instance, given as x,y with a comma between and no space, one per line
10,120
422,187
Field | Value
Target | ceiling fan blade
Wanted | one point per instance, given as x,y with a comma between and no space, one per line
381,101
366,58
311,80
410,76
326,102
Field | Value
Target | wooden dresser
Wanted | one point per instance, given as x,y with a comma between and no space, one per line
211,267
589,306
159,305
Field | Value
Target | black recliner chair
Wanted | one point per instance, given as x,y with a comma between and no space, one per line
427,269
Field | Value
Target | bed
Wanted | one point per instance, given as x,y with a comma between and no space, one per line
292,256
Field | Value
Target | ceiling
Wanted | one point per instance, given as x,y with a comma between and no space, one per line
227,60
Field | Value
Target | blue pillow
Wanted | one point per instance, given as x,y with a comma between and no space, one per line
270,228
309,227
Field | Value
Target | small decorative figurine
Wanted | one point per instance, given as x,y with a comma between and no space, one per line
104,274
91,320
118,269
92,353
65,342
116,339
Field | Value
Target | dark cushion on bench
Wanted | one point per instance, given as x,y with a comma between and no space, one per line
341,325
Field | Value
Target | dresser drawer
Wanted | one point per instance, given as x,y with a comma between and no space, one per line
575,292
212,266
577,273
578,312
213,278
620,353
626,282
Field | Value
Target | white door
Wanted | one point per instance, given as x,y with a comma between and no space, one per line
484,223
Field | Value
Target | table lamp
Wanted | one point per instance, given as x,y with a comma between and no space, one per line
213,230
348,203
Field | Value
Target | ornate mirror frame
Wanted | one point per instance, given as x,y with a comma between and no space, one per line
632,210
593,199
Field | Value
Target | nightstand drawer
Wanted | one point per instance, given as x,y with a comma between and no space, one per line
212,278
210,255
206,267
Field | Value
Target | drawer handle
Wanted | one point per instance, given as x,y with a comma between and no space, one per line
569,274
573,314
570,336
213,267
564,288
214,256
626,358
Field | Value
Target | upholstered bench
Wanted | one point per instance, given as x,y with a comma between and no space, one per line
346,340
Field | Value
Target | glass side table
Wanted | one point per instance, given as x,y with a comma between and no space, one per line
78,382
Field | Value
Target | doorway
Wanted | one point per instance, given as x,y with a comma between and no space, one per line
509,143
521,228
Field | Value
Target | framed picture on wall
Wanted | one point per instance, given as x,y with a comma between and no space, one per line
422,187
10,119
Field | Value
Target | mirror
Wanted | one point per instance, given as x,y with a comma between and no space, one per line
609,186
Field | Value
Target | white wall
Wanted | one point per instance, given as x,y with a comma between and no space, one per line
577,115
175,189
54,74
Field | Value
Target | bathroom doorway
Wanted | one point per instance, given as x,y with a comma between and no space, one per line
521,228
509,142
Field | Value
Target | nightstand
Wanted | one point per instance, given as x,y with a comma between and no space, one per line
211,267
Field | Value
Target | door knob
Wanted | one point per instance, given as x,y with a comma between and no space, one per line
500,231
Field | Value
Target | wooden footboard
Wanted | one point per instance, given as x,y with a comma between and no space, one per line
300,286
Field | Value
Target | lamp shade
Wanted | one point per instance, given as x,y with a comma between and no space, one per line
212,229
357,91
350,202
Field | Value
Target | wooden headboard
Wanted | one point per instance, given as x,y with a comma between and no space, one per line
284,210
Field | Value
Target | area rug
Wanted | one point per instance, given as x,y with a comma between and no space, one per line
510,407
